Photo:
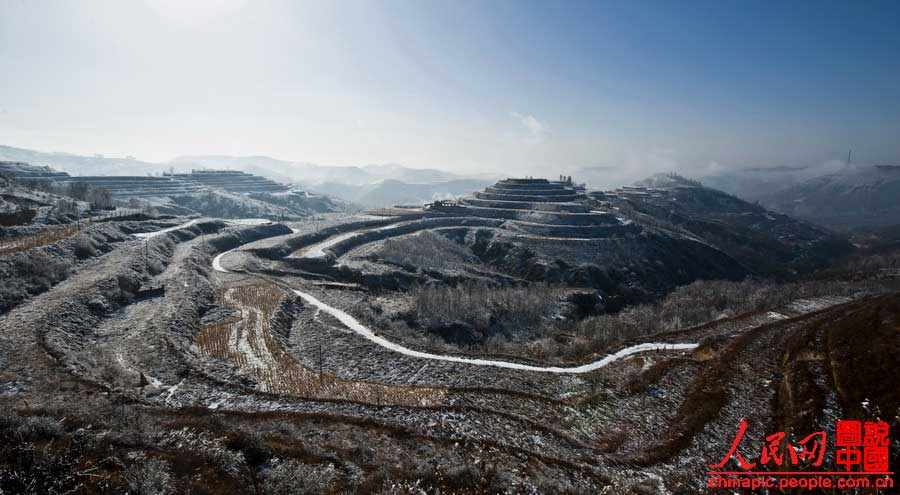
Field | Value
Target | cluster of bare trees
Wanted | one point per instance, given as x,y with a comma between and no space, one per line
425,250
98,197
700,302
504,311
489,309
871,263
684,180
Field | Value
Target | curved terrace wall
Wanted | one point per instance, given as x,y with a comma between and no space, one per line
293,243
528,198
515,180
531,192
543,185
234,181
346,245
136,185
526,205
578,231
547,217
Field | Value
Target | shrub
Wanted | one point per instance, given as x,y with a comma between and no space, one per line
41,270
22,216
34,470
65,207
294,478
39,427
123,290
252,446
149,477
84,248
123,416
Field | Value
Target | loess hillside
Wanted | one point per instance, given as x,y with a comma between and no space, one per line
533,337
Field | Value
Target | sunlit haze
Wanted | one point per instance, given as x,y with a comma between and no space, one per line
460,86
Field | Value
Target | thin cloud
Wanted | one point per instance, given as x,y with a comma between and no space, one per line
534,126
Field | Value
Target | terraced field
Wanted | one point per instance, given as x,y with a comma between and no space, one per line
232,181
137,186
228,346
178,184
669,400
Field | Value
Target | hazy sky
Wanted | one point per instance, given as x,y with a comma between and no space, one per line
467,86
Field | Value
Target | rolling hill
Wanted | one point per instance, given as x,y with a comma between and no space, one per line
850,197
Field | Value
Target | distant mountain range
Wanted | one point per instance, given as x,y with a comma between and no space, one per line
367,185
81,165
843,198
392,192
835,195
310,173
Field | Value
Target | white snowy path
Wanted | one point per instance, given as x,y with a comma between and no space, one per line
217,262
248,221
318,250
351,323
148,235
238,221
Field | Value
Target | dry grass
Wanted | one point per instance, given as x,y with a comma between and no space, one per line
49,236
247,341
213,341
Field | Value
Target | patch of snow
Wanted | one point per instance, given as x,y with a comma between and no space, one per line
150,235
249,221
172,390
318,250
810,305
217,262
367,216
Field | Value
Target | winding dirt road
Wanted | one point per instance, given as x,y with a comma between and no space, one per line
351,323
